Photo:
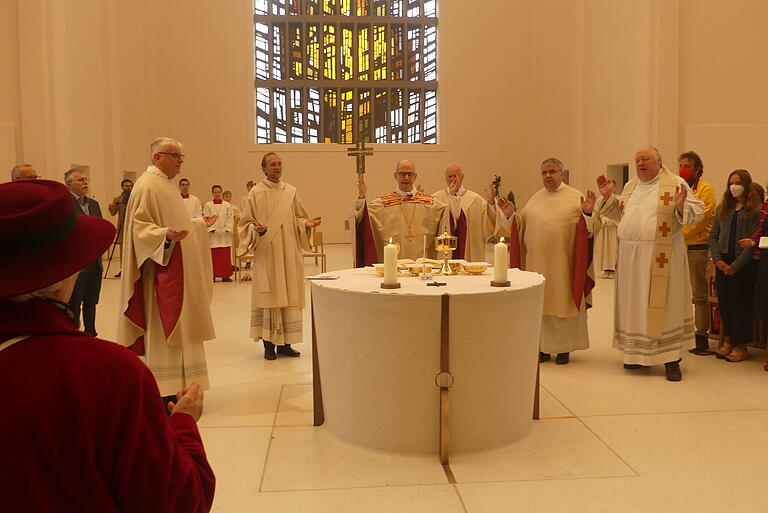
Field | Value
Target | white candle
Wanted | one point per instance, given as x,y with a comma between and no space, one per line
500,261
424,257
390,263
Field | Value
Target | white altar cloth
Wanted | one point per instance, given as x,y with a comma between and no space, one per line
378,352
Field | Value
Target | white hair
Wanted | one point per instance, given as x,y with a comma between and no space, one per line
461,169
160,143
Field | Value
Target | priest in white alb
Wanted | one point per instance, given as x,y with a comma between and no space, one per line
220,234
165,313
554,228
276,227
191,202
469,215
654,317
409,217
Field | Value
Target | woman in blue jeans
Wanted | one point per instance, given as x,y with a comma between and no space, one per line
736,218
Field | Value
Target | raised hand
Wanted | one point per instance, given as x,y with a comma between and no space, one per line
490,194
176,235
361,187
681,192
506,206
604,186
588,203
419,187
311,223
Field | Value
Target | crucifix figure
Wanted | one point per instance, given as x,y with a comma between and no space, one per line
360,152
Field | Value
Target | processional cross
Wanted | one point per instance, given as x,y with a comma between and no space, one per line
360,152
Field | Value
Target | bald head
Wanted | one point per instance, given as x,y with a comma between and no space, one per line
24,172
405,174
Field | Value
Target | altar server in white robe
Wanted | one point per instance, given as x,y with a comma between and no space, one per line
166,292
220,234
236,211
606,239
654,317
469,214
406,215
554,228
276,227
191,202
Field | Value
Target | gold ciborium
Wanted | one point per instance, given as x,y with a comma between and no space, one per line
446,243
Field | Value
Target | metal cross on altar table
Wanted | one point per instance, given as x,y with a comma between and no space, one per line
360,152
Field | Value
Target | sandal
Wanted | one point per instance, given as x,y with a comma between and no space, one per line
738,354
724,350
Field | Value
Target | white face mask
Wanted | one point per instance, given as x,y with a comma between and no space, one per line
736,189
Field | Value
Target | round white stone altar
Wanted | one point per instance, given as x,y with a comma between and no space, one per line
378,352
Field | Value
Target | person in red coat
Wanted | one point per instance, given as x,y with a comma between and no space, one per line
84,428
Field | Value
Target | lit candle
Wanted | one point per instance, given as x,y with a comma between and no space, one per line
500,259
390,263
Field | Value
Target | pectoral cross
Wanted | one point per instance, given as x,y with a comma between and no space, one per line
360,152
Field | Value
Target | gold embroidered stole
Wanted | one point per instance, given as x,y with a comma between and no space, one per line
662,248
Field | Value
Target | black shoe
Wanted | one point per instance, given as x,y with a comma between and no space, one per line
226,280
287,350
562,358
673,371
632,366
702,346
269,351
118,274
544,357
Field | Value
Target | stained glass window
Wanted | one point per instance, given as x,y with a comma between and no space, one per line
339,71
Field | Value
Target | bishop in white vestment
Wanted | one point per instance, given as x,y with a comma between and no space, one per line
405,215
654,317
276,227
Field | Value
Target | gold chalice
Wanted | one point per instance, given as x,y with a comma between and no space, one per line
446,243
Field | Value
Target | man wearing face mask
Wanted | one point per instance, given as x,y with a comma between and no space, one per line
697,240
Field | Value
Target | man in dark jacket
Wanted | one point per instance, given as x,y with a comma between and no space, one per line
88,286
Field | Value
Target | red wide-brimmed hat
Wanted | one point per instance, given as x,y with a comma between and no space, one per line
42,239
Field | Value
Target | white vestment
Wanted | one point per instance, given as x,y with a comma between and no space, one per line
277,296
637,236
172,346
474,208
194,207
220,232
606,239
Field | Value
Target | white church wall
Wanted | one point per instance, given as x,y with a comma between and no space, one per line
588,81
10,113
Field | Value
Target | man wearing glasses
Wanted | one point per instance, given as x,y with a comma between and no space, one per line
23,172
410,217
88,285
167,277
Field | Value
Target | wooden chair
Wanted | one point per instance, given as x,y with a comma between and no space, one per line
238,262
318,252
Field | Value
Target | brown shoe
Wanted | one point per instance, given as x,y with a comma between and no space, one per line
738,354
724,350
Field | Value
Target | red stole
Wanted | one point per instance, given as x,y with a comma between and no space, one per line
364,244
582,259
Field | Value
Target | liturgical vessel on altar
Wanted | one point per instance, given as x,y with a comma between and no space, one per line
446,243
